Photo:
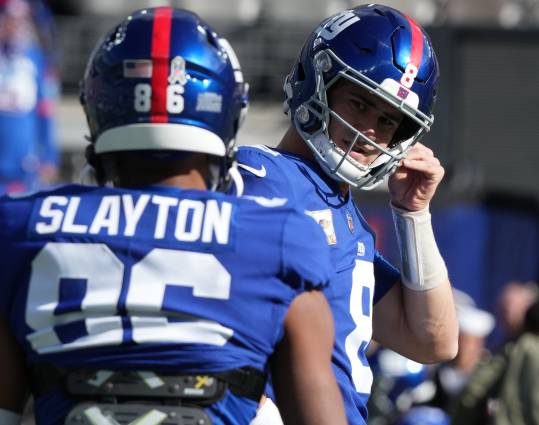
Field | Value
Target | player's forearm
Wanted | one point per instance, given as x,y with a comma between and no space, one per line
431,325
420,325
427,313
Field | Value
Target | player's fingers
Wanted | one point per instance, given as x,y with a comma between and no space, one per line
419,151
431,166
419,158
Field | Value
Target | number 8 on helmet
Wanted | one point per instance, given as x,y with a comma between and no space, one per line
381,50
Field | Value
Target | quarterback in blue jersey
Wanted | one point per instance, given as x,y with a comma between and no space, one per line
154,300
360,97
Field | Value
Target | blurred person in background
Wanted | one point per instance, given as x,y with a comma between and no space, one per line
28,93
518,401
503,387
360,98
45,26
513,302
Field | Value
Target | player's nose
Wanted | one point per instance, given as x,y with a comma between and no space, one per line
368,132
367,125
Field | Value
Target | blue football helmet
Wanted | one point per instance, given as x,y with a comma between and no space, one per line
425,415
384,52
408,379
163,80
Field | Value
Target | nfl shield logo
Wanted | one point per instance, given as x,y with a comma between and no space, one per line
350,221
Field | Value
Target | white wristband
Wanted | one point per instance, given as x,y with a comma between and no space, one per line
422,266
7,417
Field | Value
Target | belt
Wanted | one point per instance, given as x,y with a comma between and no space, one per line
246,382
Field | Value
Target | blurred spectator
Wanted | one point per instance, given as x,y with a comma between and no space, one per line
513,302
504,388
518,402
28,91
45,28
474,326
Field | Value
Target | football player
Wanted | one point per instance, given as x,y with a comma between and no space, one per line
360,97
154,300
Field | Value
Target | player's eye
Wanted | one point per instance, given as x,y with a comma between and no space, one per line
387,122
359,105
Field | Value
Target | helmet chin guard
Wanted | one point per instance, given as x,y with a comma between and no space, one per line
385,53
342,167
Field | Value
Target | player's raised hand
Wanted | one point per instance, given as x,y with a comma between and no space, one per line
414,183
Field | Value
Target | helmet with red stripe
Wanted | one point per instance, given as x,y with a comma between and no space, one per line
382,51
163,80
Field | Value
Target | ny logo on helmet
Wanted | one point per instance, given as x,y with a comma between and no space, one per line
335,25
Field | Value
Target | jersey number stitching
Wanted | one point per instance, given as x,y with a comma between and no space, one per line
360,309
65,317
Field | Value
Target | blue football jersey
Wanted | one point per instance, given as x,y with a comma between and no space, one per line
358,265
157,278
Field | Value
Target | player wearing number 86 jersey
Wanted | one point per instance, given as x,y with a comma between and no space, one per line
157,278
156,299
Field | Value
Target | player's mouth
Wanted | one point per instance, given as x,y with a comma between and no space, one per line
360,151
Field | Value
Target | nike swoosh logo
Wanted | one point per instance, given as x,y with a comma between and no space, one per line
259,172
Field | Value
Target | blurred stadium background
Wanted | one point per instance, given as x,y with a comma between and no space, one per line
486,131
487,124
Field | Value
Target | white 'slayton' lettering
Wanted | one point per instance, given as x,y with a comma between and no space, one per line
196,220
